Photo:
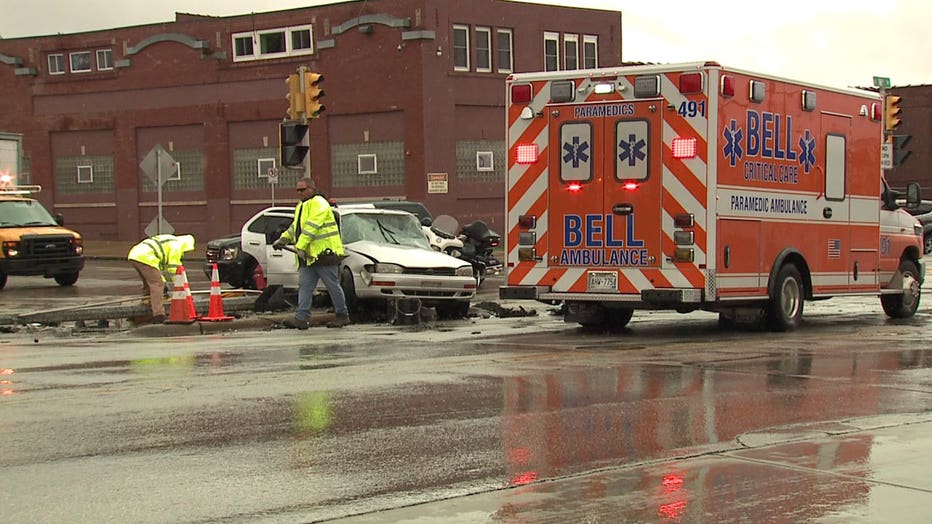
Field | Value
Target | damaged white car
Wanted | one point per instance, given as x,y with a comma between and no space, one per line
387,257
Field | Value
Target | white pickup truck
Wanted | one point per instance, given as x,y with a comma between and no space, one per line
387,257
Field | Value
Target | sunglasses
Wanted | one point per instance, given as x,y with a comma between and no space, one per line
300,189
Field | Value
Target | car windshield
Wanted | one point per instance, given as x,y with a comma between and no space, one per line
18,213
402,230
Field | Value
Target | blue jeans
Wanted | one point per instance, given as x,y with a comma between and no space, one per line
307,281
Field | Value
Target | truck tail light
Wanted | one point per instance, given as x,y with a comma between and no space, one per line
691,83
684,147
526,153
728,86
520,93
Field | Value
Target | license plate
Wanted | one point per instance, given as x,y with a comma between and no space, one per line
603,281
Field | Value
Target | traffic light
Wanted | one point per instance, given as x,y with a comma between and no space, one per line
293,145
891,113
900,154
294,97
312,94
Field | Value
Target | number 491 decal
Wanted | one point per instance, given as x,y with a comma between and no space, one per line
691,108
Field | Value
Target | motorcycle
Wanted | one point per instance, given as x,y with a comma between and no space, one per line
439,236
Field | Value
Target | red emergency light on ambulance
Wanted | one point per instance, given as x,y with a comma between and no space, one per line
699,187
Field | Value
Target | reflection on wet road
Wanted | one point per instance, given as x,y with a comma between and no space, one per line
536,422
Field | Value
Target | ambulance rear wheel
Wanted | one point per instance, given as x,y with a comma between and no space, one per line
905,304
611,319
785,311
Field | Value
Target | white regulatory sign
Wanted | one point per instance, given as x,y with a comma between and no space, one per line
273,175
886,155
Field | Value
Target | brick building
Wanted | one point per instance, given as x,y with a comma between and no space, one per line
915,121
412,87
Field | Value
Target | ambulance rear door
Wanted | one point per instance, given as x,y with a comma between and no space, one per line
605,189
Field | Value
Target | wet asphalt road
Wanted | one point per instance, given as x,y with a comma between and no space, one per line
482,420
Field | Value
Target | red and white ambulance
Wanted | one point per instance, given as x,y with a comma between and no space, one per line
699,187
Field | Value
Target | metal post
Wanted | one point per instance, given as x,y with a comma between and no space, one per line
302,72
158,175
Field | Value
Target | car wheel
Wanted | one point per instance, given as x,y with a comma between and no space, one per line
66,279
905,304
785,311
349,290
249,275
927,241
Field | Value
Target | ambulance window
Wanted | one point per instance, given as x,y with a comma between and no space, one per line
575,152
834,167
632,149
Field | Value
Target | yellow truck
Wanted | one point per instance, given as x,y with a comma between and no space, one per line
33,242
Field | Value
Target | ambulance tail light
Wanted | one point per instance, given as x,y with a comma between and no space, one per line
520,93
630,186
691,83
728,86
683,254
574,187
527,254
684,238
526,153
527,221
684,220
685,147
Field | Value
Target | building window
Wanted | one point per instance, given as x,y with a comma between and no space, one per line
85,174
57,64
460,48
301,39
485,161
265,166
483,49
80,61
570,52
367,164
551,51
175,174
104,59
242,47
503,49
273,43
590,51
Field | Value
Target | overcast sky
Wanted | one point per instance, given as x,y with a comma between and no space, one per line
832,42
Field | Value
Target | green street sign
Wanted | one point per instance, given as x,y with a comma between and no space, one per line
881,82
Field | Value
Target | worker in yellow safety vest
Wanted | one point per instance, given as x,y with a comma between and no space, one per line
318,250
156,259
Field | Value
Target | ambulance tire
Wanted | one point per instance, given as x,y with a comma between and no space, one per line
904,305
611,319
785,311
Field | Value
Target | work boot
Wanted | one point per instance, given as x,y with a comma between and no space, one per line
158,319
295,323
339,321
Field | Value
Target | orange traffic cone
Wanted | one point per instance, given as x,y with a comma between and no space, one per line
179,313
215,313
189,299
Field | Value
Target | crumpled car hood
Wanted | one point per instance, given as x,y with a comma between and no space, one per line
406,256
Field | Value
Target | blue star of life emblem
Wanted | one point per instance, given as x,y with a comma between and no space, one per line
632,150
807,146
576,152
733,136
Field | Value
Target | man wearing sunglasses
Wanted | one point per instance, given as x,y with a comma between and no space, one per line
318,251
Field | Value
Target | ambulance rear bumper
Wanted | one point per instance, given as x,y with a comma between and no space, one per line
648,297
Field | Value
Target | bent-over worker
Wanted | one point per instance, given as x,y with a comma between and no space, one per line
156,259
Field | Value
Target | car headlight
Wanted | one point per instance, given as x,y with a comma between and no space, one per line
229,253
464,271
381,267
